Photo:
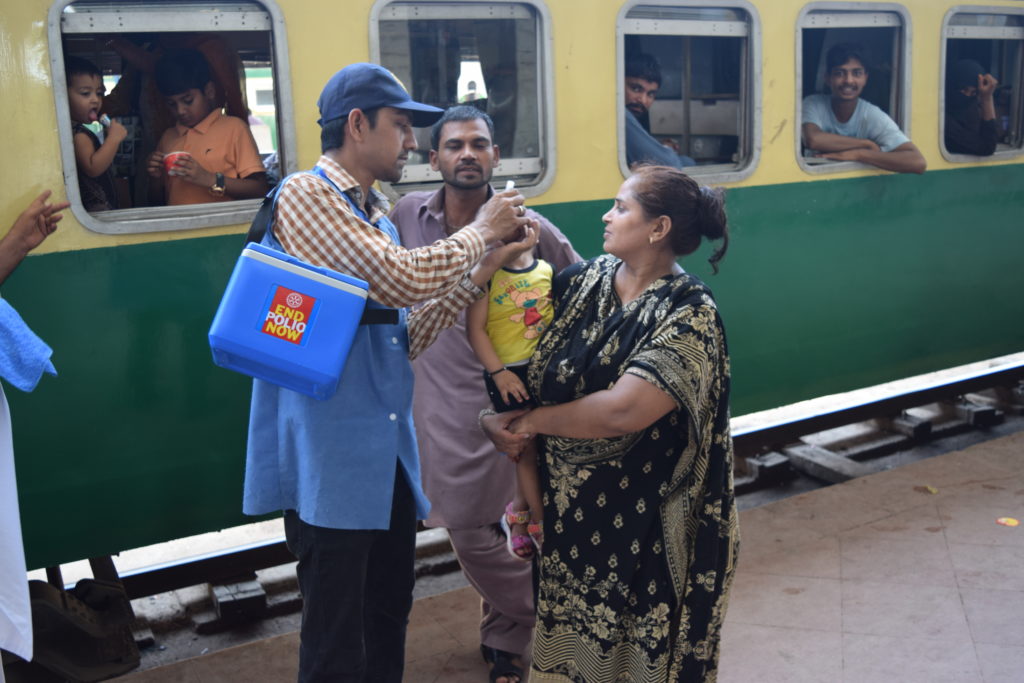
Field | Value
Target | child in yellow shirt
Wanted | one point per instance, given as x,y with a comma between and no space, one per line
503,328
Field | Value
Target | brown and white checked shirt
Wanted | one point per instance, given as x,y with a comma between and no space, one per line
318,226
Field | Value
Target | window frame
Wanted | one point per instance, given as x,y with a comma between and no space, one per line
994,10
751,115
149,219
902,72
545,164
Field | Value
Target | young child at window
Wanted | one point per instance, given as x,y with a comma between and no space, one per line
503,328
93,157
221,161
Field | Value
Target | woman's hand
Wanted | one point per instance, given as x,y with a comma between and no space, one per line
523,425
496,428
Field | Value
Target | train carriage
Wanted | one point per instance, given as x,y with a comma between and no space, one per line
839,276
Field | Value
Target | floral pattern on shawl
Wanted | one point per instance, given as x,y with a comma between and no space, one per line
640,530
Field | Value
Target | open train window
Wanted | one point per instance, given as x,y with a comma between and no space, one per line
688,87
992,43
244,45
879,31
493,55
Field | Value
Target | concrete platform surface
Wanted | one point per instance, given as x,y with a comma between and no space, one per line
900,576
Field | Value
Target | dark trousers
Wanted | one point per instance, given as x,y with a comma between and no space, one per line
356,590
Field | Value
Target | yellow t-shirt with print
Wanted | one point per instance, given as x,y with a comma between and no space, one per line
519,310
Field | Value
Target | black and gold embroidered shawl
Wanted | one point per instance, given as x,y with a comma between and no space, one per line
640,531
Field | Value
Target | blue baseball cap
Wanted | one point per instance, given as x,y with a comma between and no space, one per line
368,86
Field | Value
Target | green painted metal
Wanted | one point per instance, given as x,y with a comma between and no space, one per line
835,285
828,286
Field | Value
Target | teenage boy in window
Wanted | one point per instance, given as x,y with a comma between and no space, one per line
222,161
844,127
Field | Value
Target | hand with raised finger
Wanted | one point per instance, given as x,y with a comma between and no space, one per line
37,222
30,228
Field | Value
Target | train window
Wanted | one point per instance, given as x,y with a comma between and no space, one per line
689,84
879,32
492,55
991,44
244,45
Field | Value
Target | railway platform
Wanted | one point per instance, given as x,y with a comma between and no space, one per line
903,575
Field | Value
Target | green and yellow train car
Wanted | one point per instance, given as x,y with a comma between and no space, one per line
839,275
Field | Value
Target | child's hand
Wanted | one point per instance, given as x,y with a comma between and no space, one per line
155,164
504,254
189,170
117,132
510,385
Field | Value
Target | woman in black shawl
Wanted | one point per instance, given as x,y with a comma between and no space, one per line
632,379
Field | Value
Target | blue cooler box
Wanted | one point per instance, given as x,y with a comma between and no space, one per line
287,322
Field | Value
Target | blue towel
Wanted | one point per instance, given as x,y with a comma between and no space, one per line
24,357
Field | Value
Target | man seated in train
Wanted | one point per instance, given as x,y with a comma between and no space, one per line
843,126
971,123
643,78
346,470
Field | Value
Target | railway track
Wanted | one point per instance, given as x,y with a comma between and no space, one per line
774,459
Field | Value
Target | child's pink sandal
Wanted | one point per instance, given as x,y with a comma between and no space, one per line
519,546
536,532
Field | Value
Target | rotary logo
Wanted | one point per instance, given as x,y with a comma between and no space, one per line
288,315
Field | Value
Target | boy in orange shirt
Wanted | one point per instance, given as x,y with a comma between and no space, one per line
222,161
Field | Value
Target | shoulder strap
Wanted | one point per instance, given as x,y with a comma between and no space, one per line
263,223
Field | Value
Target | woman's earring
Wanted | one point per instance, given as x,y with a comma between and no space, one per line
650,239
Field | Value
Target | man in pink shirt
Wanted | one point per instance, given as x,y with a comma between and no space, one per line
467,481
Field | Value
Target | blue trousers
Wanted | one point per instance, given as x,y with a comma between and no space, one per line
356,590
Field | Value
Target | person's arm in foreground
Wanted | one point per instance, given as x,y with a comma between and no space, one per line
34,225
630,405
316,224
427,321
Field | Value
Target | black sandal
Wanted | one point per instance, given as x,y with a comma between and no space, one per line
501,664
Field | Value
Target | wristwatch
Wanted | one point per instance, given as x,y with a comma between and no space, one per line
468,285
217,190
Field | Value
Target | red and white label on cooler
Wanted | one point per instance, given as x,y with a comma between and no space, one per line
288,315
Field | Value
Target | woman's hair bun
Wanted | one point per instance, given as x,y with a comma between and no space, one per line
709,216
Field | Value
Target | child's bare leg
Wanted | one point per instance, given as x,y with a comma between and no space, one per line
520,503
528,487
515,521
